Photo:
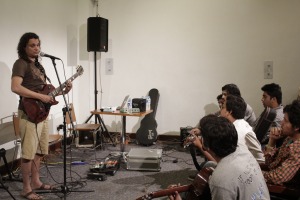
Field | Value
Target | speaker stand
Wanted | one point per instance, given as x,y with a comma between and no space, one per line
97,116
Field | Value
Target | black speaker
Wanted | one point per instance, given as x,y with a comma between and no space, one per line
97,34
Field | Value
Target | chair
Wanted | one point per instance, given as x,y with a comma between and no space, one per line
87,133
264,123
281,192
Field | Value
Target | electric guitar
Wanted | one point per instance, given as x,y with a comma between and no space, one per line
38,111
199,188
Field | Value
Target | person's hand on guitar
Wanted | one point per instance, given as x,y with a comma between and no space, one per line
68,87
46,98
195,131
190,138
198,143
193,139
175,195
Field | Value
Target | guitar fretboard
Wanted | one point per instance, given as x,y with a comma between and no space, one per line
62,86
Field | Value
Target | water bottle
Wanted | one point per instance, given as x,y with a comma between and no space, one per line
129,106
148,103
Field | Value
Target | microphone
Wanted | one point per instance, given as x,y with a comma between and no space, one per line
49,56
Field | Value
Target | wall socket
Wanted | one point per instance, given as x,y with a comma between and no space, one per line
268,69
109,65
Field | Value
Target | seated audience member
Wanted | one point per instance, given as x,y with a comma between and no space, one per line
220,103
237,175
284,162
196,132
272,98
234,110
247,137
234,90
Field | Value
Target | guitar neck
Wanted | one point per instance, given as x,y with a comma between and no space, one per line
166,192
62,86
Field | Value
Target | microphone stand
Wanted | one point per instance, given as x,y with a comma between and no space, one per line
64,188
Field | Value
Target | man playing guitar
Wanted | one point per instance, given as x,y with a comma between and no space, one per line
29,77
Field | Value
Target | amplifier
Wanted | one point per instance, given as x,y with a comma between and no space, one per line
144,159
184,132
139,103
86,139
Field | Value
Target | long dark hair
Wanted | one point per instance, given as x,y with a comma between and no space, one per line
23,42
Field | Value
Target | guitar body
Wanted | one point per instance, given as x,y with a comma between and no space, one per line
199,189
264,123
147,133
36,110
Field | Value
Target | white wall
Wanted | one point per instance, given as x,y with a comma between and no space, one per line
187,49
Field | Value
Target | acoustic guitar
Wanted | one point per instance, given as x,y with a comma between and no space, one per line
264,123
38,111
198,189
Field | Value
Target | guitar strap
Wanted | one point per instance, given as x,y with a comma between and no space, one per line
41,68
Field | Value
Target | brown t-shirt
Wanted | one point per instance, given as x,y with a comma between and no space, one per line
33,78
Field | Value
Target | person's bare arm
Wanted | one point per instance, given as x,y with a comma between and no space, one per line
16,87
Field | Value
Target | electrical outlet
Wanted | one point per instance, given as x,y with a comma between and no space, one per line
109,63
268,69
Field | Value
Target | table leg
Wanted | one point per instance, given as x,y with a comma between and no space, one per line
123,134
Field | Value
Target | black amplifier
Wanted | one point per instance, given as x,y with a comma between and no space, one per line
184,132
139,103
86,139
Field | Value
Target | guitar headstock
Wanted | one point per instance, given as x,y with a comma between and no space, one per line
79,70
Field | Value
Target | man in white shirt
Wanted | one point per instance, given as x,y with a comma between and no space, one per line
234,110
232,89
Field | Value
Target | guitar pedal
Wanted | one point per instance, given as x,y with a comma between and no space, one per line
98,176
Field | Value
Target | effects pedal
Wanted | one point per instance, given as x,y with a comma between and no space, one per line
109,166
98,176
